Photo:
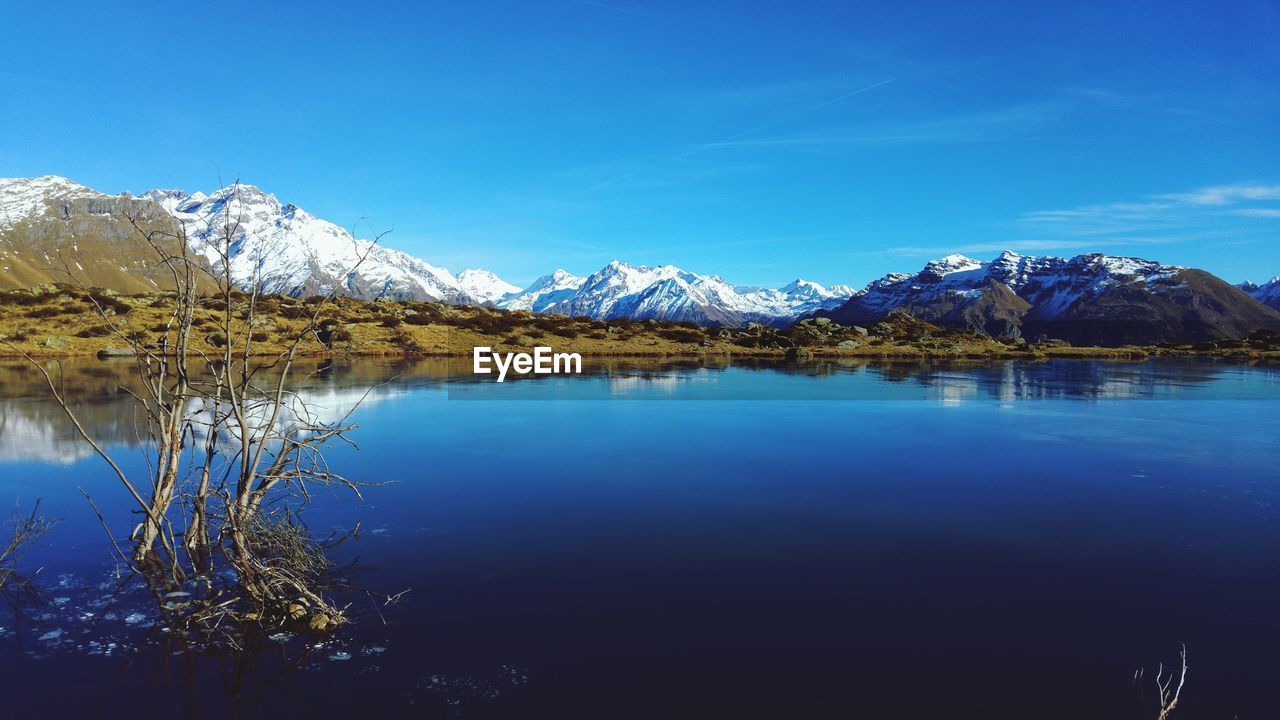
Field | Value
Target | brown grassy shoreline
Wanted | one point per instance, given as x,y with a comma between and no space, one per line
67,322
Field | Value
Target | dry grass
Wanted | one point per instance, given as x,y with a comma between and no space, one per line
62,321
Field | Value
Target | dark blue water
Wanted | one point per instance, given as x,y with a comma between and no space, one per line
893,541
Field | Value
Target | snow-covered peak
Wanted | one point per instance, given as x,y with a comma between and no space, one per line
245,192
1051,284
1254,286
1268,293
168,199
889,280
619,279
1014,269
806,290
800,285
620,272
1125,266
951,264
23,198
544,292
282,248
485,285
668,292
560,278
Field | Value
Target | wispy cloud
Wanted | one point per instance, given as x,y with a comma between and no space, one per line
1208,215
1203,205
1120,211
1257,212
1030,245
1226,194
998,124
1052,113
739,135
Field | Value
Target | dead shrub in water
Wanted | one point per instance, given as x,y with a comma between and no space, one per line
25,529
228,447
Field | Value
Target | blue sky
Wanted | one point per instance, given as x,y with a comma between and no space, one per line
760,141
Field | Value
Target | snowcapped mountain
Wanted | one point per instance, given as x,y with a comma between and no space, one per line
55,230
667,292
1268,293
484,285
284,249
26,198
802,291
1093,298
51,226
281,248
546,291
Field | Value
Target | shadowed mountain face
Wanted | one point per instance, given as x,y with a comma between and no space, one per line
53,230
1193,306
1089,300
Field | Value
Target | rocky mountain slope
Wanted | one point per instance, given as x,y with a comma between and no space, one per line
54,230
1091,299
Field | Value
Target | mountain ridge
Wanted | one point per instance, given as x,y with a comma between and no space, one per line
667,292
281,248
1268,293
1091,298
56,230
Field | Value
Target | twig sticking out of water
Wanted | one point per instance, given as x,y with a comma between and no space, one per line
27,528
1167,694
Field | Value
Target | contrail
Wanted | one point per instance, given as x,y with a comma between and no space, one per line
738,136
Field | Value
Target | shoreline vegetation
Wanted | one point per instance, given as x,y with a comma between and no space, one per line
66,321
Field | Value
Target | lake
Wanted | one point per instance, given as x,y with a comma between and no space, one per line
697,540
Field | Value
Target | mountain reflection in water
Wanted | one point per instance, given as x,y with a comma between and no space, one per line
33,428
957,540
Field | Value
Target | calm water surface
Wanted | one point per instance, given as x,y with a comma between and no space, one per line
822,540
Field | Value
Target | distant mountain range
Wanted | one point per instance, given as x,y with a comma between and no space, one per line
281,248
1091,299
50,224
669,293
1268,293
